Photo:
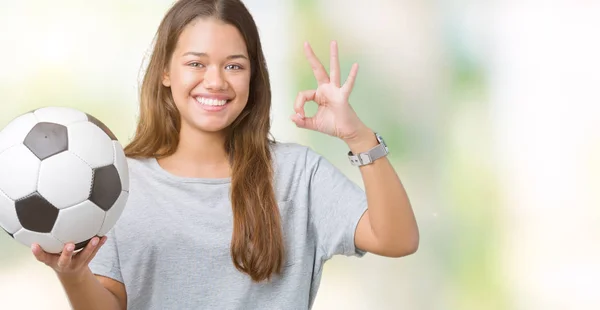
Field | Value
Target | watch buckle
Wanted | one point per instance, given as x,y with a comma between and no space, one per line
365,158
361,159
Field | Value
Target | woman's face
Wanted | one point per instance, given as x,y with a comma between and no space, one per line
209,75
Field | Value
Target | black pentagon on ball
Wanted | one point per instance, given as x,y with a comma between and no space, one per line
106,187
104,128
47,139
81,245
36,214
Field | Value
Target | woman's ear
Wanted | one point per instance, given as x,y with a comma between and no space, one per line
166,79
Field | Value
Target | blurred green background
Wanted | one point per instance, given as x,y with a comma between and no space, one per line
490,110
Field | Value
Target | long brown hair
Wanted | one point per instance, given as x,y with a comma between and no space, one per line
257,241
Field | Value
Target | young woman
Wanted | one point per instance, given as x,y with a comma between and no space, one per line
219,216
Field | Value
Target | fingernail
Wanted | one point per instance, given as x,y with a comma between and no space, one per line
94,241
70,247
299,116
33,247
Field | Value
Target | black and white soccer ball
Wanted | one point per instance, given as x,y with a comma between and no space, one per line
63,178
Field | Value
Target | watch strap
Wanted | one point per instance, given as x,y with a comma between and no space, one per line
368,157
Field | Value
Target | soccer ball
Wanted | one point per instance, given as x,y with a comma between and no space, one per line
63,178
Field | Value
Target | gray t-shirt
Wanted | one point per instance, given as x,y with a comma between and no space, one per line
171,246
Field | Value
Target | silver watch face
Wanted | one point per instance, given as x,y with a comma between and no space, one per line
380,139
382,142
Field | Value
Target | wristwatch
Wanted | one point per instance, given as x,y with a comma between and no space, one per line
371,155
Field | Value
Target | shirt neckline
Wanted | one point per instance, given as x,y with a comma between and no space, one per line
155,166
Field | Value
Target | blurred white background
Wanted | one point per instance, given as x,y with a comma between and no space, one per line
491,110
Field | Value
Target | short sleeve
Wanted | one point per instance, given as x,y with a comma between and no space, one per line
106,261
336,205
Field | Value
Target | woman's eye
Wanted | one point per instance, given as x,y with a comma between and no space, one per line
233,67
195,64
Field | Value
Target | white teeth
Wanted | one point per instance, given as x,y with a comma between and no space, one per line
213,102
